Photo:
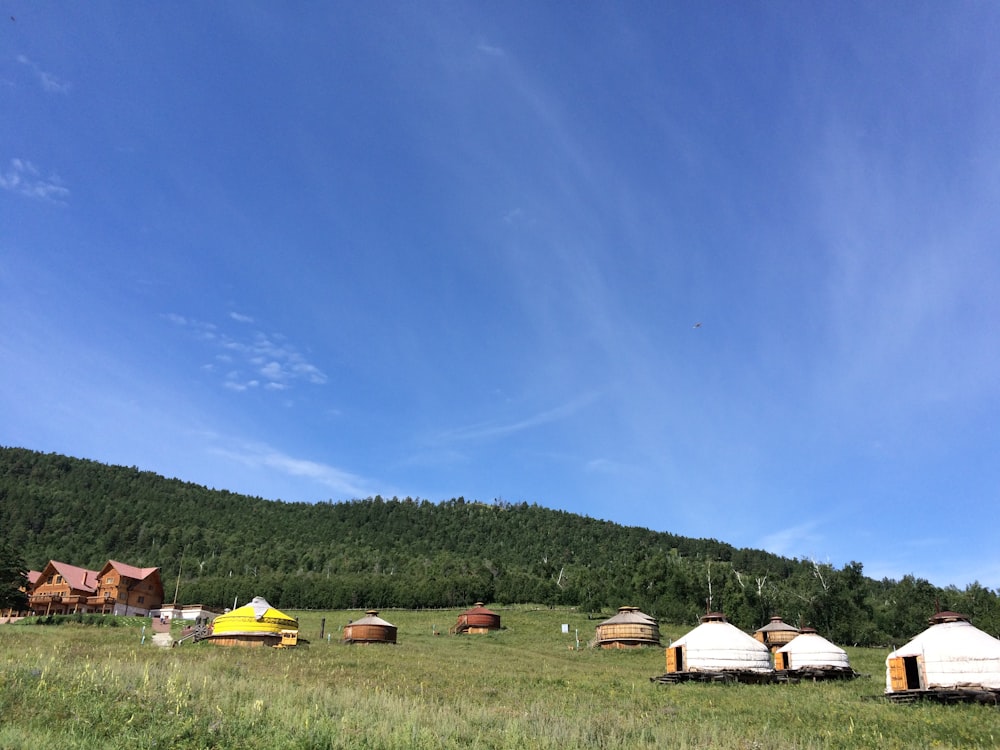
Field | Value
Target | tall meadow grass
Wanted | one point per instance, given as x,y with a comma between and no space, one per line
526,686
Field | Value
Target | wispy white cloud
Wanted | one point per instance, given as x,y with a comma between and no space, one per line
487,430
911,278
254,360
24,178
605,466
235,383
793,541
263,457
512,216
490,49
273,371
48,81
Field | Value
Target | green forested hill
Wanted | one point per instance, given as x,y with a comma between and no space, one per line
414,553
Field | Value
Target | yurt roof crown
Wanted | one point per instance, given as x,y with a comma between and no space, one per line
947,616
371,618
630,614
777,624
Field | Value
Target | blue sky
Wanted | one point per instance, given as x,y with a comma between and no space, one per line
724,270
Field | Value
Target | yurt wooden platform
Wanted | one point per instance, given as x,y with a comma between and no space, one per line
966,695
745,677
245,639
816,674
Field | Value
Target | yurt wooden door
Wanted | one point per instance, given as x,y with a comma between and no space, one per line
675,659
781,660
904,673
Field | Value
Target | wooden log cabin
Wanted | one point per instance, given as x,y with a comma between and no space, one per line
116,589
124,589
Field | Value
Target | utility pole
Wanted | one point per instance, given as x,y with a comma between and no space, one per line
180,565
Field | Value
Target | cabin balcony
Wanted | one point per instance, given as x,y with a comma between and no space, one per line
44,599
48,603
101,600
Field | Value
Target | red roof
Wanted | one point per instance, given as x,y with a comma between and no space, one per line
129,571
80,579
33,576
479,609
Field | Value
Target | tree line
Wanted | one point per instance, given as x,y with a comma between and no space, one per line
412,553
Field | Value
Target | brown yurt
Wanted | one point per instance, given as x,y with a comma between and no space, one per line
370,629
776,633
630,628
478,619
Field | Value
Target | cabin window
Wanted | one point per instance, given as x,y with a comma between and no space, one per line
50,579
142,599
109,579
59,579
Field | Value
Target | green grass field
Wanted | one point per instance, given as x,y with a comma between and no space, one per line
73,686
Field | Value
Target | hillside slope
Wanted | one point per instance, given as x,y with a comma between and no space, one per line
415,553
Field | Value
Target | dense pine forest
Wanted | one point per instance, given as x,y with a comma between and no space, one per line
413,553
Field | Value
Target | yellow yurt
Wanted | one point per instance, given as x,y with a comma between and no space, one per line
255,624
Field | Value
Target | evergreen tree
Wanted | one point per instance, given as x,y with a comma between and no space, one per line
414,553
13,580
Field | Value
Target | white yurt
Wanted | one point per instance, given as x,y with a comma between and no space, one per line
717,646
952,654
810,650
